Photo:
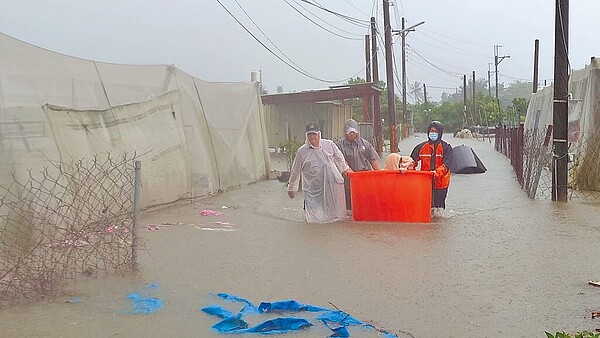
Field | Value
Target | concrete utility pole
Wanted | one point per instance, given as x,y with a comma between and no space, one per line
366,100
376,100
465,122
425,103
390,77
497,60
560,107
474,100
489,79
404,112
536,57
404,31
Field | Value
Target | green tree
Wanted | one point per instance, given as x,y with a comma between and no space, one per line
356,103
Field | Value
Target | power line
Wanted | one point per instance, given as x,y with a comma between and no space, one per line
358,9
311,20
453,47
416,63
441,63
454,39
433,65
439,87
359,22
515,78
265,35
298,69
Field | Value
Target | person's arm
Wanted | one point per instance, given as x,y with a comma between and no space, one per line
415,153
340,161
444,168
294,181
373,156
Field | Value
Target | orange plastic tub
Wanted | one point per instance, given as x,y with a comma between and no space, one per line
391,196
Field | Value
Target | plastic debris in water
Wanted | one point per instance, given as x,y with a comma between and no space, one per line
143,304
207,212
73,300
337,321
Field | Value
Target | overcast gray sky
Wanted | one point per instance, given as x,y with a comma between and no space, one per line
201,38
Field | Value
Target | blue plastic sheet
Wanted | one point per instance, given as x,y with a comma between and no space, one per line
218,311
288,305
337,321
231,324
276,326
142,303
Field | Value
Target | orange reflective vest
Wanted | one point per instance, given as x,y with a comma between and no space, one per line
437,159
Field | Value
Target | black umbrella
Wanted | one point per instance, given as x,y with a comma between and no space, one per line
465,161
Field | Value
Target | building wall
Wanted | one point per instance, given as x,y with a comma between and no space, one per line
330,116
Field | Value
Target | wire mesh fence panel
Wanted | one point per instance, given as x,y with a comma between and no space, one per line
584,170
537,165
66,221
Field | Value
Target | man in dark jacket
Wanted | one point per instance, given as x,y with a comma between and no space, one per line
358,153
435,156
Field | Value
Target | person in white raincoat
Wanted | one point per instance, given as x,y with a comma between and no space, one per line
321,165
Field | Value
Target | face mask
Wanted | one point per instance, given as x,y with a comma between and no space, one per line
433,136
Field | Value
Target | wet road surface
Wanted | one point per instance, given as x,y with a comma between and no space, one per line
498,265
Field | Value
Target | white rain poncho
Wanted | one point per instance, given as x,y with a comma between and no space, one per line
322,181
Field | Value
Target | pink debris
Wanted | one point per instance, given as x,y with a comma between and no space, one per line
152,227
207,212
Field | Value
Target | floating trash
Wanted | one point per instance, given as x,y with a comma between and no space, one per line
335,320
142,303
207,212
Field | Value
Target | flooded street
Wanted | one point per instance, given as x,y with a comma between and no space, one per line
498,265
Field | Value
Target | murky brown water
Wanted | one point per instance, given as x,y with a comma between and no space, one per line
499,265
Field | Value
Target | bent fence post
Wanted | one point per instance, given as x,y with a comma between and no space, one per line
136,211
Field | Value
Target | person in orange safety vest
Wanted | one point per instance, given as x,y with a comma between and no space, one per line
435,156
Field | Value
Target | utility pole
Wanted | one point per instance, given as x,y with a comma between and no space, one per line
366,100
390,77
376,100
404,112
560,107
465,122
425,103
474,101
489,79
404,31
497,60
536,57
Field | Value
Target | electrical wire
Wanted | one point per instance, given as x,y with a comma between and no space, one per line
265,35
358,9
515,78
350,19
437,61
454,39
452,48
434,66
311,20
297,69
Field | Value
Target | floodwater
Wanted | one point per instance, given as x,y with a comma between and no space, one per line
498,265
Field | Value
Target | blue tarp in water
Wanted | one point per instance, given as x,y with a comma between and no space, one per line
337,321
142,303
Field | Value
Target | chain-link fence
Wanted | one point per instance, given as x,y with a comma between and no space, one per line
533,161
66,221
